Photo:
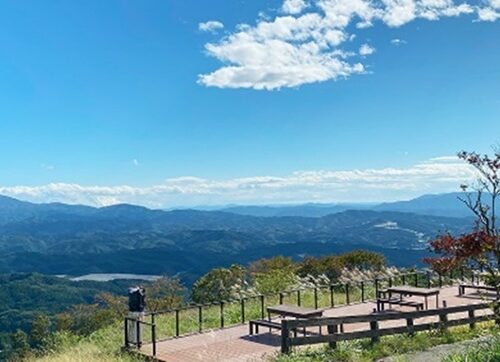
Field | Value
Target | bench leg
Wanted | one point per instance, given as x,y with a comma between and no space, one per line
250,325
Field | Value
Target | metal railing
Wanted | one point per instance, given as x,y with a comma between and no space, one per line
253,307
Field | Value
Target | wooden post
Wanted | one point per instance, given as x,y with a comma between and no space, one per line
403,277
299,302
374,329
362,292
416,279
332,329
153,337
428,279
262,312
440,280
409,324
390,282
332,304
376,288
285,337
472,323
281,298
443,317
125,330
315,298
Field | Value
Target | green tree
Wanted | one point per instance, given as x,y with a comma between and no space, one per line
218,284
20,345
40,330
165,293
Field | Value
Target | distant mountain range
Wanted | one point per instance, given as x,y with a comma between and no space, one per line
73,239
438,205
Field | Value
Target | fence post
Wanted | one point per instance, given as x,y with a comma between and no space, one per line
138,329
374,329
299,302
285,336
440,280
281,298
347,298
332,329
403,277
200,318
126,333
462,274
409,325
472,277
332,304
362,292
242,310
472,323
262,312
428,279
315,298
376,287
416,279
390,282
177,322
222,314
153,337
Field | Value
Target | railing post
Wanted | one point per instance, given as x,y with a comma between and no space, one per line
472,277
315,298
376,288
416,279
332,330
440,276
285,337
242,310
299,302
403,279
462,274
281,298
262,312
177,322
374,328
138,329
362,292
390,282
200,318
126,333
222,314
153,337
347,297
332,302
428,279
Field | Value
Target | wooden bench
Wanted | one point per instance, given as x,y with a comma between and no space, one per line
462,287
254,324
397,301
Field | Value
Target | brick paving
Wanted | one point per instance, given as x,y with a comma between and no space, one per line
233,344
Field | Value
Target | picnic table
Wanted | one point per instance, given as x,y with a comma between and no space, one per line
415,291
286,310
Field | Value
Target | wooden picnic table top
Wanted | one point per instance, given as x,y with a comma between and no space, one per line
295,311
413,291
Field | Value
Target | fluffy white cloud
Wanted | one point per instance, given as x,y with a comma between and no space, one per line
366,49
294,6
211,26
436,175
309,43
397,41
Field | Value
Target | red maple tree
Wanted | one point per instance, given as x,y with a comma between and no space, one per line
481,247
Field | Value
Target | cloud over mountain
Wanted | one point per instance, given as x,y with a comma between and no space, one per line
435,175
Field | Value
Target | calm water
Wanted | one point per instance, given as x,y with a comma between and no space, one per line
105,277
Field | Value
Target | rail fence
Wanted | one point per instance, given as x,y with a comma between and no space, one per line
198,318
374,332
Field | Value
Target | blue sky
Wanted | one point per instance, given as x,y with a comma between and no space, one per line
145,102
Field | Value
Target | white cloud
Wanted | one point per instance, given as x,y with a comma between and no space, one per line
366,49
301,47
135,162
210,26
294,6
435,175
397,41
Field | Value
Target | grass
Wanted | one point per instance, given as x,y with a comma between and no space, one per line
365,351
489,351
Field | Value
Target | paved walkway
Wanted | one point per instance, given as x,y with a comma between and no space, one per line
234,344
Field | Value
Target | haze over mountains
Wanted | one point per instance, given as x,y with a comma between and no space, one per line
74,239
